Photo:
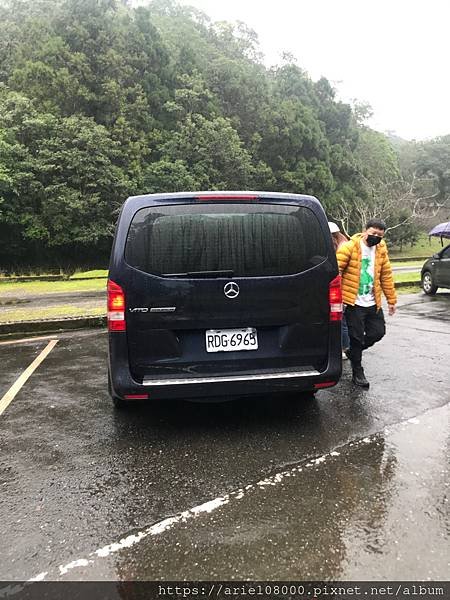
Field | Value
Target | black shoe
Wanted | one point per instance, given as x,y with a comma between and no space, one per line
359,378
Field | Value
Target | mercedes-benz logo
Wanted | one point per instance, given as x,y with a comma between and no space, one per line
231,290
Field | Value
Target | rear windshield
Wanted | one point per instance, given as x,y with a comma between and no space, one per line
240,240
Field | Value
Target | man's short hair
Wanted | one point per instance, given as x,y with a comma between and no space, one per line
376,223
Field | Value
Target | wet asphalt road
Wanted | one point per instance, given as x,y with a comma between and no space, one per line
351,485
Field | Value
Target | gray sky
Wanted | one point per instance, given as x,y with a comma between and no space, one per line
393,54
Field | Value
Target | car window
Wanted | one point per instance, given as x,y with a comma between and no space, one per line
243,240
446,253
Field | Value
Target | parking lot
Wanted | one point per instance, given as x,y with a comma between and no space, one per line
351,485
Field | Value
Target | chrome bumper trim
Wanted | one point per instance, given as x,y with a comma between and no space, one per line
232,378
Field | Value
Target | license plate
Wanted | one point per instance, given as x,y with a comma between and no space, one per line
231,340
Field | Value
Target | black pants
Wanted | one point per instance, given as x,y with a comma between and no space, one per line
366,326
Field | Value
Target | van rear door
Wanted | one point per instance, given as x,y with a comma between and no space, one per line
220,287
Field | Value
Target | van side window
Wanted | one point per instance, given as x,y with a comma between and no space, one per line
245,240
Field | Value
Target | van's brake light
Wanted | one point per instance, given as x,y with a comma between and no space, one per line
227,197
335,299
116,307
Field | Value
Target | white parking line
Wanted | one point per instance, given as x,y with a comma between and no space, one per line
210,506
17,385
31,339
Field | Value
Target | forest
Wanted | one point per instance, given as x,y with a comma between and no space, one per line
100,100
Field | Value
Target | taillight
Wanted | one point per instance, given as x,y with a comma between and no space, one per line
335,298
227,197
116,307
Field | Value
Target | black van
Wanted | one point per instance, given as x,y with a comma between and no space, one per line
221,294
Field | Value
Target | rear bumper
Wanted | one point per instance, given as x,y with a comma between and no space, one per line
301,379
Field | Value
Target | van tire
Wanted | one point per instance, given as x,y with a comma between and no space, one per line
118,403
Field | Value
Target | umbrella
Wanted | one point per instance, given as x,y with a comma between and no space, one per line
442,230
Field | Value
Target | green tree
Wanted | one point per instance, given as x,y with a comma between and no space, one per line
100,99
60,184
433,160
213,154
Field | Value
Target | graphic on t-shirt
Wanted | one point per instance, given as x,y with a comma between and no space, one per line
366,279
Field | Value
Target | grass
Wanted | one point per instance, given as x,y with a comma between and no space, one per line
36,288
412,278
410,289
86,274
55,312
402,277
408,263
425,246
96,308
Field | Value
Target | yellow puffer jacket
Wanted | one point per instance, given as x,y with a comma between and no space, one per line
349,261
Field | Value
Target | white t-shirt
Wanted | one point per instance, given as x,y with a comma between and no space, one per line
365,295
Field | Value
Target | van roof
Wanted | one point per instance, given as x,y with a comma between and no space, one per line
218,194
134,203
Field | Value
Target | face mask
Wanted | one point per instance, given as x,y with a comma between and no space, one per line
373,240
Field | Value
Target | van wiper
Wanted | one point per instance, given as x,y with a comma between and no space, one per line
201,274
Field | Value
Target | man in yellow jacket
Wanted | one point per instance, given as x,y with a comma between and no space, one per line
366,272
